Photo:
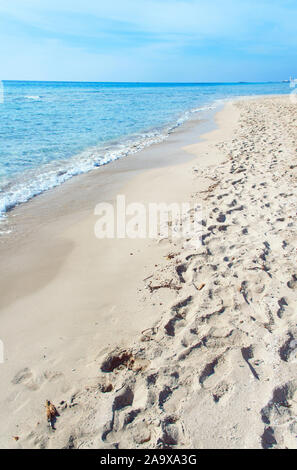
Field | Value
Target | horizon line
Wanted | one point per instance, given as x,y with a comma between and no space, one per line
149,82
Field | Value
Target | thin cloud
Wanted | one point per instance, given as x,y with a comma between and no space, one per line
147,33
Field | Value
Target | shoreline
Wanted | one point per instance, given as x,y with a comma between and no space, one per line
63,285
124,147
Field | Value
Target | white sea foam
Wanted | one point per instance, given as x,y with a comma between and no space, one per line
33,97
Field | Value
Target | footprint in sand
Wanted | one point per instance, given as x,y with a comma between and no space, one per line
23,376
32,381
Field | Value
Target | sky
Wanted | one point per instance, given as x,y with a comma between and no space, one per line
148,40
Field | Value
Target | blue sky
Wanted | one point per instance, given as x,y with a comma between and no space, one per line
148,40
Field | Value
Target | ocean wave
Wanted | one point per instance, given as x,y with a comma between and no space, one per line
34,182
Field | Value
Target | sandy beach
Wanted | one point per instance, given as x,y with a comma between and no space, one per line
143,343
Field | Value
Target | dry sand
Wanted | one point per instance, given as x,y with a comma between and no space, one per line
216,364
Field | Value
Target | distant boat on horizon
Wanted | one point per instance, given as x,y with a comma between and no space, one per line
293,82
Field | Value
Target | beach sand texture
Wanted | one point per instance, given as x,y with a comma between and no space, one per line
216,365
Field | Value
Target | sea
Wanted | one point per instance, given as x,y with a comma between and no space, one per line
53,131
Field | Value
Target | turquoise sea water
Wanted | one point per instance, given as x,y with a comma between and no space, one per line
51,131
